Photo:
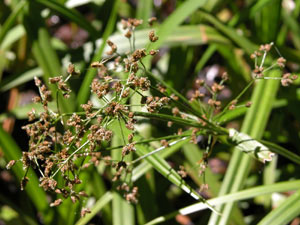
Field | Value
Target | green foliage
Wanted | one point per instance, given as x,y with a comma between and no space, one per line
197,39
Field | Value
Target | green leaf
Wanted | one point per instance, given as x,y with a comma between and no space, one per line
253,125
175,19
240,40
123,211
70,14
105,199
241,111
35,193
293,25
144,10
143,167
182,35
282,151
11,20
161,165
259,6
246,144
43,52
237,196
287,211
14,81
165,117
12,36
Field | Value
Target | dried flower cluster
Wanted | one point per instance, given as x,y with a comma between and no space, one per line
259,70
58,142
63,144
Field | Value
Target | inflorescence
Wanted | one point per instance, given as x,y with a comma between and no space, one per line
63,144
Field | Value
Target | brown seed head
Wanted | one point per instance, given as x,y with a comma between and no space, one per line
152,36
248,104
153,52
281,62
56,203
152,20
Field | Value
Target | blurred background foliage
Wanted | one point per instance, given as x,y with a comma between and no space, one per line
197,39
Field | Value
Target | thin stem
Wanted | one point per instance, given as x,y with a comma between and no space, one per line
237,98
151,140
133,39
130,45
36,162
270,67
73,153
184,122
269,78
263,59
68,77
122,131
188,106
156,150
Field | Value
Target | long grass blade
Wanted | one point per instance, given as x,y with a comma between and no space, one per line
254,125
12,36
70,14
9,23
238,196
287,211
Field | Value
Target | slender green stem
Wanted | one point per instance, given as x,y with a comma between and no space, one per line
156,150
237,98
151,140
67,159
185,122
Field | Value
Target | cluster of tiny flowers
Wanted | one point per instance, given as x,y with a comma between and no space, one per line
259,70
57,141
62,144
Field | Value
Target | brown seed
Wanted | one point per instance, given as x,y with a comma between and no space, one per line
56,203
128,34
84,211
71,69
152,20
10,164
248,104
152,36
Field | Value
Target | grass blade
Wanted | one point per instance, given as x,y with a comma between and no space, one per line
175,19
142,168
43,52
254,125
238,196
241,41
282,151
144,10
185,34
14,81
241,111
70,14
123,212
105,199
11,20
158,163
12,36
287,211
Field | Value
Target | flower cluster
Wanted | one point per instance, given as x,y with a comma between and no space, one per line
63,144
259,71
